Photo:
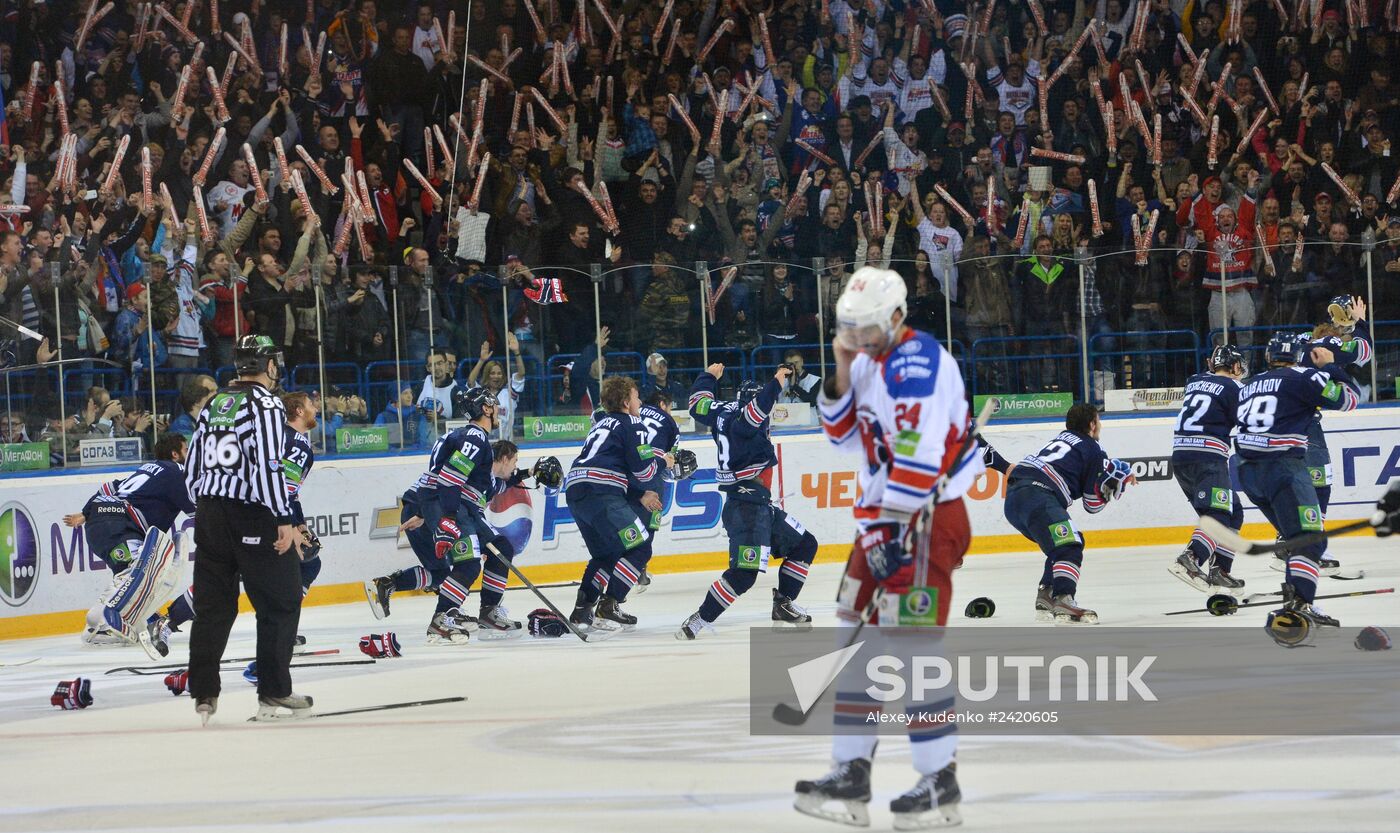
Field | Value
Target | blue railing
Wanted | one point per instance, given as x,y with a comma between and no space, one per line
1024,364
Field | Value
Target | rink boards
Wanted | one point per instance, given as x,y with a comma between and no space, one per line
47,577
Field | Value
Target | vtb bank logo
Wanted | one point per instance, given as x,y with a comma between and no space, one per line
19,555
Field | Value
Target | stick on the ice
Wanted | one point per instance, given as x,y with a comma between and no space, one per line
542,597
1240,545
1271,601
136,669
385,707
794,715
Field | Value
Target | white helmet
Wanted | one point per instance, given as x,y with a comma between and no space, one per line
870,300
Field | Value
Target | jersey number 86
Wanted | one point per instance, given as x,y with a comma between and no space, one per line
221,451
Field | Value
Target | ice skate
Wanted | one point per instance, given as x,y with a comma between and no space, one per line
377,593
1221,578
158,635
103,637
788,615
693,626
1068,612
280,708
1308,609
1190,573
847,784
582,617
609,610
205,708
932,803
448,628
643,583
494,620
1044,604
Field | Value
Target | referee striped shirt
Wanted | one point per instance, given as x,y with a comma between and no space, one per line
236,450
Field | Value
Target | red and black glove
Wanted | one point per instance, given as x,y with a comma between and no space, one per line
445,536
72,694
178,681
885,547
380,645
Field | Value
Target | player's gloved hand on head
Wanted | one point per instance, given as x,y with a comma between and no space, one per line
1387,516
889,560
445,536
1117,476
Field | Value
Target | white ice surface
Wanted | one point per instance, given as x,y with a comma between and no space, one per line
644,733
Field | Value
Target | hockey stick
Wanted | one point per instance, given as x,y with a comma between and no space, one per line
386,707
155,672
1240,545
793,716
1271,601
137,669
18,664
547,603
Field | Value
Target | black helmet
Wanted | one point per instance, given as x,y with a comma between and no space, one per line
1225,357
471,404
748,389
251,354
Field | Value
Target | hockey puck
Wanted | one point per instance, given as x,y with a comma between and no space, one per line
980,608
1222,604
1372,639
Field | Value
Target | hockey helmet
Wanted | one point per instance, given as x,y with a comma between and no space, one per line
1225,357
251,354
1290,628
748,389
1284,347
548,472
866,306
1343,314
471,404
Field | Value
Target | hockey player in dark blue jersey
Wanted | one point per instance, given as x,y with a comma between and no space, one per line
757,529
1347,336
116,520
660,433
1040,490
1201,464
1276,407
615,461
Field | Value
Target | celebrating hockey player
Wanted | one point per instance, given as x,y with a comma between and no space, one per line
1275,411
897,399
1201,463
118,522
466,475
1348,338
615,460
1041,488
757,529
659,431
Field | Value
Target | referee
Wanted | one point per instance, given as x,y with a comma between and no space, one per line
244,531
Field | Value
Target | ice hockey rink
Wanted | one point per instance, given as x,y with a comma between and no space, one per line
645,733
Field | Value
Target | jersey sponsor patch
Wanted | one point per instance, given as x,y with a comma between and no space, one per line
1310,518
293,471
704,405
1318,475
462,463
1221,499
223,410
1332,391
1062,534
462,550
632,535
751,558
907,442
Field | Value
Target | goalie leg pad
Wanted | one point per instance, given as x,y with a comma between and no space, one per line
152,580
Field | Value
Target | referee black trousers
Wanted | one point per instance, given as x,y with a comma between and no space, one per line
235,541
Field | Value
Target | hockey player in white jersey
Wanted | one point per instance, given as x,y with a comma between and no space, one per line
897,400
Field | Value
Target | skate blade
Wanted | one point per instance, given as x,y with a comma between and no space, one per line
618,627
204,718
272,714
938,817
144,640
1194,582
372,596
494,635
852,813
1086,619
784,625
435,640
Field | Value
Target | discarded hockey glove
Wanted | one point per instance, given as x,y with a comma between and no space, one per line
380,645
445,536
1372,638
544,622
887,555
178,681
73,694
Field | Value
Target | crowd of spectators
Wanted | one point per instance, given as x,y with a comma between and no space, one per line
1032,167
